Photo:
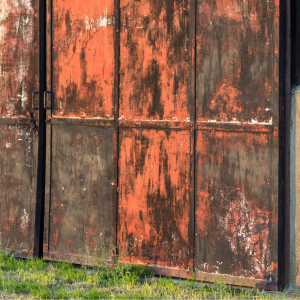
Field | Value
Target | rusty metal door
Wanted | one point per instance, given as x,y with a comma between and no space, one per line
237,140
19,45
81,132
208,156
127,119
156,139
162,135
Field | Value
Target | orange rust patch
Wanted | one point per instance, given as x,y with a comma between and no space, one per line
237,59
154,203
155,60
83,58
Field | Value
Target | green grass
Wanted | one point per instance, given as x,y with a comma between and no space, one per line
37,278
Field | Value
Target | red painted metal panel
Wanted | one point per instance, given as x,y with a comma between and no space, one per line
156,106
155,64
154,201
83,58
237,60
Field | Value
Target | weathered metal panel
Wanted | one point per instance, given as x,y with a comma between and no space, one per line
237,60
83,58
18,57
80,176
154,224
156,59
236,210
81,193
18,79
156,106
17,165
237,55
145,141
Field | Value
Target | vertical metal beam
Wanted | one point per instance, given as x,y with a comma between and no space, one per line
295,42
40,195
284,145
115,122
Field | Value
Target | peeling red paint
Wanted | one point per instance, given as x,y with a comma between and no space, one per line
154,202
19,62
236,158
155,60
124,142
83,53
237,55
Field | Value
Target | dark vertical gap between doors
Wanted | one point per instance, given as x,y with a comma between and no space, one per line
295,43
40,195
295,82
284,142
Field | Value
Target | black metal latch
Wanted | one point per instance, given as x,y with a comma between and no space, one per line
34,127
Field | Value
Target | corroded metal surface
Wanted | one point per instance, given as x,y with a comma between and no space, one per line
237,60
156,106
154,200
155,64
236,216
80,207
236,172
80,176
18,79
17,177
205,276
127,118
83,58
18,57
